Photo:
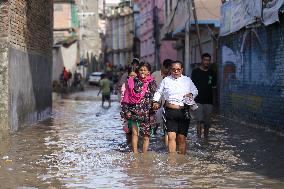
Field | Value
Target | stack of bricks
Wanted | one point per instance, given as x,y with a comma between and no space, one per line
31,24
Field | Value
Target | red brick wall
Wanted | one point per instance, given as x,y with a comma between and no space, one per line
31,24
26,39
4,25
4,8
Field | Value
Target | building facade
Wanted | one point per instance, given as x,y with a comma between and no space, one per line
66,23
251,70
194,25
26,40
66,32
120,35
152,18
90,44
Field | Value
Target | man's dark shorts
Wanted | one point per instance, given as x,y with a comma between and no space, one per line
176,122
106,97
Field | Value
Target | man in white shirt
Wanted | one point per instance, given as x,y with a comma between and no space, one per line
174,89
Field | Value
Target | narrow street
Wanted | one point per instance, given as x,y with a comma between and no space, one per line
83,146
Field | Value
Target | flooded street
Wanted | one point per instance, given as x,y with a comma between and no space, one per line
83,146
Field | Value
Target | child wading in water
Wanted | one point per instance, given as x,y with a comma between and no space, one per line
137,105
105,87
127,124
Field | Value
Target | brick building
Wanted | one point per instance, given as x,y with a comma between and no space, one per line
251,73
26,62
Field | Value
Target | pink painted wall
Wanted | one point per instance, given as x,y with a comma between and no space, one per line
167,51
146,32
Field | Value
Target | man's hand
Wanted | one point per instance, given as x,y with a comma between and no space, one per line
156,105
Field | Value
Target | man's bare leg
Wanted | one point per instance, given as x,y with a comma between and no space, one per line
206,131
199,129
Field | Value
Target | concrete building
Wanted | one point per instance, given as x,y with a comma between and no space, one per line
66,30
251,70
90,44
152,18
26,62
182,26
106,9
66,23
120,35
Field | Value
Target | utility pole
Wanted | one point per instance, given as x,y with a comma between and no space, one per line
105,35
187,48
156,36
104,8
197,27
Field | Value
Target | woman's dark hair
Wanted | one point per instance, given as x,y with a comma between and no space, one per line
131,69
177,62
135,61
146,64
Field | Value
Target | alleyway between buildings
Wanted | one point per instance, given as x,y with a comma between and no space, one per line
83,146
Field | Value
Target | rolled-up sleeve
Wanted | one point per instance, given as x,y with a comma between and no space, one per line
158,94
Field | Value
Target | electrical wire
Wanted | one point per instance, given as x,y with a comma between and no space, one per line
168,27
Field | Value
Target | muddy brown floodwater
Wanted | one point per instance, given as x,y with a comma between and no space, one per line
83,146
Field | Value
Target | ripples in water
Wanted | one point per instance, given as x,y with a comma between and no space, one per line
83,146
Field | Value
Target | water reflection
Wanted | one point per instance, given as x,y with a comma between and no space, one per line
83,146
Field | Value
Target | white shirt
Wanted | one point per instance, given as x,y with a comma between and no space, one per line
174,89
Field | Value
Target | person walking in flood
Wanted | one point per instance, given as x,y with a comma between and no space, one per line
205,79
134,65
105,89
137,105
159,76
175,88
128,122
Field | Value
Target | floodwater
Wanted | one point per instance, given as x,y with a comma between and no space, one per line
83,146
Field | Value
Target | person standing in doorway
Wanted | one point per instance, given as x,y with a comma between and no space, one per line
205,79
105,88
175,88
